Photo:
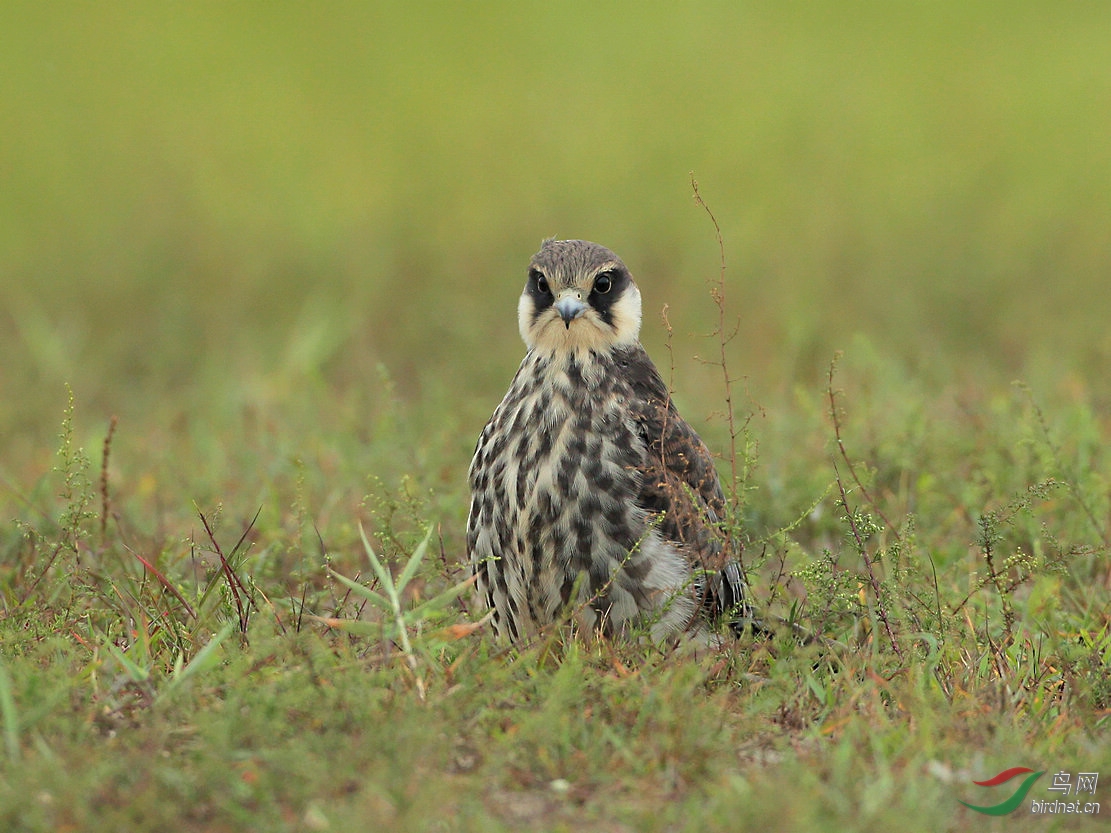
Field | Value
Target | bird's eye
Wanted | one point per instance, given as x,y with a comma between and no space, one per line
603,283
541,283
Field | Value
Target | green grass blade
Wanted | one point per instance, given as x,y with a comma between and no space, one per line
414,562
133,669
440,600
9,715
205,659
386,629
377,599
380,570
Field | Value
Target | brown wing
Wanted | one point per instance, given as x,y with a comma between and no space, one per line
681,487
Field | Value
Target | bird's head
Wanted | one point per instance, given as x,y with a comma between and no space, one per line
578,296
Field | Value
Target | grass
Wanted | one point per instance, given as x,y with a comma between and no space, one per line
257,286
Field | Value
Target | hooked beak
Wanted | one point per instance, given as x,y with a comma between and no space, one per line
570,306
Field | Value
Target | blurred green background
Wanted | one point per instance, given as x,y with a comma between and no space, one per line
208,209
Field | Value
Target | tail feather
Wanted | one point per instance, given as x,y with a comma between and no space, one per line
733,595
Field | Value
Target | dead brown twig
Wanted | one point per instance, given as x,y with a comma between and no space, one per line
717,292
105,498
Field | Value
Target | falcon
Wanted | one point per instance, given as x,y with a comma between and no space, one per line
591,497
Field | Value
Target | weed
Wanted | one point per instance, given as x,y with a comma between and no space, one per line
400,620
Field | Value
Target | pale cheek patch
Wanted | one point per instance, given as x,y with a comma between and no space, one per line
626,316
524,318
